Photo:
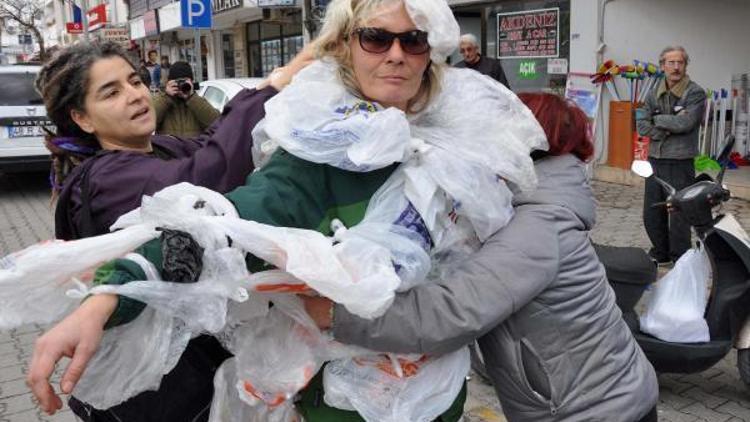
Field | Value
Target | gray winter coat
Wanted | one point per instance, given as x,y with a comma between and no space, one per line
536,294
672,121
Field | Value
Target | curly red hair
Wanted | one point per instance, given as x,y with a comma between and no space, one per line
566,126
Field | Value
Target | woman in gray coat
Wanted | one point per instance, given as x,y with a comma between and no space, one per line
536,297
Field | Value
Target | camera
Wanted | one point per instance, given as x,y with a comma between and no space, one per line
184,85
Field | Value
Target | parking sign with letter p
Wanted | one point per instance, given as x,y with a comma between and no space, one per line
196,13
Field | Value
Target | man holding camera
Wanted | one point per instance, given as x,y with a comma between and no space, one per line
179,111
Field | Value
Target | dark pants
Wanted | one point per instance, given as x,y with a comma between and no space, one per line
651,416
669,233
185,393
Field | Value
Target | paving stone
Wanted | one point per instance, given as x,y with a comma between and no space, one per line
18,404
703,412
668,414
709,400
734,409
13,388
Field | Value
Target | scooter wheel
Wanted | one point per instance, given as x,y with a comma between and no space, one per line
743,365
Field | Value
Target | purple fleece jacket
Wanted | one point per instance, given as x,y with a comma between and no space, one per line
219,159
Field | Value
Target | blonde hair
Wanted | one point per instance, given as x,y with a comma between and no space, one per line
341,19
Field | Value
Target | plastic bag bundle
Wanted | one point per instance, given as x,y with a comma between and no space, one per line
477,119
228,407
675,311
339,127
414,388
357,273
33,281
277,355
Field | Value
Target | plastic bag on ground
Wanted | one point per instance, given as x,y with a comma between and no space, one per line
676,309
416,389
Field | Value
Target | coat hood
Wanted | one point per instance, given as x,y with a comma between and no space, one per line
562,181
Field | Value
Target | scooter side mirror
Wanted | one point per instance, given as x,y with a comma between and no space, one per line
642,168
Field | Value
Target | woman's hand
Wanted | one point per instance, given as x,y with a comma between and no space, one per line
281,76
320,310
77,336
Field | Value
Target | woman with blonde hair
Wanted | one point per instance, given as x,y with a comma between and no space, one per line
378,116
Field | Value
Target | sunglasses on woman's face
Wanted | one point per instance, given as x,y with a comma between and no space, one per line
376,40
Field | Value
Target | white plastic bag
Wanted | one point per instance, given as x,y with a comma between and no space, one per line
416,389
33,281
227,406
278,354
675,311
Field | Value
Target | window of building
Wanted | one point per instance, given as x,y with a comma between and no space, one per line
273,42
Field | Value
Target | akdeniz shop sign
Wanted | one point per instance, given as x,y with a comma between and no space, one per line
528,34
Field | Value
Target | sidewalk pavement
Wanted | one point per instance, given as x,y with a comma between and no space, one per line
713,395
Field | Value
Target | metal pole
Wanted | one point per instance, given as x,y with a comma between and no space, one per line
197,55
113,7
85,19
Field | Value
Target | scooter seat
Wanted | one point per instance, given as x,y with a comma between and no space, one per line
626,265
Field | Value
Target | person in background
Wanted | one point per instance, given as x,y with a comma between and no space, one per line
179,111
469,48
164,71
154,69
553,339
670,116
144,74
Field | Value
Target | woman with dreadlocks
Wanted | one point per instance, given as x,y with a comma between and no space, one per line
105,159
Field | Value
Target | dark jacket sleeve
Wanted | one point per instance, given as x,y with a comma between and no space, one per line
644,119
162,103
688,118
203,111
221,160
511,268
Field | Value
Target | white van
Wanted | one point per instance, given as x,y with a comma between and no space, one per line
22,114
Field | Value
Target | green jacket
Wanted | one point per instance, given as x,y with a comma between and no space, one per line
286,192
178,117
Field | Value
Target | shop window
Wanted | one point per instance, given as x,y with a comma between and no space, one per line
273,42
227,48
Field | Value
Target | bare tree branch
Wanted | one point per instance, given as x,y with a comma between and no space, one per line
28,14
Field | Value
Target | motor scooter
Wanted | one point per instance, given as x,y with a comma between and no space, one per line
630,271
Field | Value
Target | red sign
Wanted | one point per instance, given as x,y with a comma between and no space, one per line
97,16
74,27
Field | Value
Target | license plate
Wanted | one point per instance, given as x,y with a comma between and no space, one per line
24,131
